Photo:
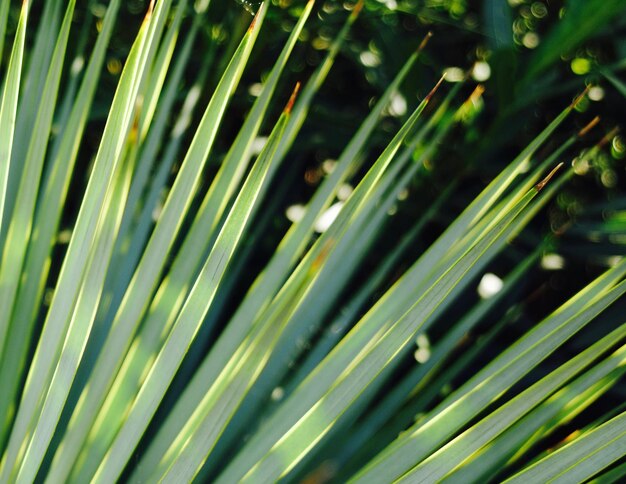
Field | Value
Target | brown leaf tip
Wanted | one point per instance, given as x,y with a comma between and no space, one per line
256,17
292,99
539,186
424,41
477,93
149,13
434,89
590,125
356,10
608,137
580,97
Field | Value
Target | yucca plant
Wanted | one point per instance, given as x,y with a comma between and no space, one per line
156,338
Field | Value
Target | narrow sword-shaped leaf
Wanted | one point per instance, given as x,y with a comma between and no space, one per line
129,314
340,264
289,250
418,378
348,315
171,292
10,93
443,461
428,392
73,266
428,267
73,441
409,449
46,221
72,444
21,220
4,16
133,233
560,408
347,359
80,325
268,283
615,474
581,458
190,318
350,381
251,356
33,80
156,79
210,212
301,108
344,258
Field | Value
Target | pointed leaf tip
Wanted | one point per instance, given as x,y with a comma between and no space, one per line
434,89
539,186
292,99
590,125
356,10
256,17
580,97
477,93
606,139
424,41
149,12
